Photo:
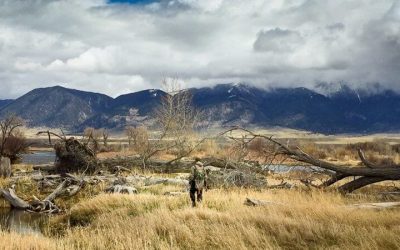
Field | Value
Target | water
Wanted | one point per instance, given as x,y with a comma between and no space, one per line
21,222
286,168
38,157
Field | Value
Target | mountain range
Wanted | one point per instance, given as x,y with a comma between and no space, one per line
344,111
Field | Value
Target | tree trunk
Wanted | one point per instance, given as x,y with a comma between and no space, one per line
14,200
359,183
5,167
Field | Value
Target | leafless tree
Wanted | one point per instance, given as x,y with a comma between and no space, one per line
176,121
92,137
105,134
12,140
130,132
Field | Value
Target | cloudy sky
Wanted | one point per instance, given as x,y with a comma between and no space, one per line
115,47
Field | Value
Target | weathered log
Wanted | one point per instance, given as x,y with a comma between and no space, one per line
45,167
379,205
335,178
121,189
159,166
155,181
283,185
359,183
5,167
57,192
46,205
40,177
14,200
220,163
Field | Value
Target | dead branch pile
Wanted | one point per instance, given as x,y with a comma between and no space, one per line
70,186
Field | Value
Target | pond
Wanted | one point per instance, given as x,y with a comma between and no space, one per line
38,157
21,222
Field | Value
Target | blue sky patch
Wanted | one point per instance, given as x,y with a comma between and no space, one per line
131,1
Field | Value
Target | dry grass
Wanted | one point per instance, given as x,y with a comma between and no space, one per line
311,219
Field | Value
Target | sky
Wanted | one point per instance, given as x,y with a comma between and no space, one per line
116,47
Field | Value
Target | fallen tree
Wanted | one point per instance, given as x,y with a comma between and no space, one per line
70,186
363,176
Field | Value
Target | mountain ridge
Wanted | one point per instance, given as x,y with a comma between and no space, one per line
344,111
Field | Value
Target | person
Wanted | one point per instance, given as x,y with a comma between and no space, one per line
197,182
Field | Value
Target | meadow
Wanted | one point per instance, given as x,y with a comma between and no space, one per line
301,217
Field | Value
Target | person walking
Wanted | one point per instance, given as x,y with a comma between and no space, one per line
197,182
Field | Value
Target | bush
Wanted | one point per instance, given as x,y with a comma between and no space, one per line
235,178
14,146
376,146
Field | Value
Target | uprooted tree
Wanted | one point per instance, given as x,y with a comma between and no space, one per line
72,155
368,174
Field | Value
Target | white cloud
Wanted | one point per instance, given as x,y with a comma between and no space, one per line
114,49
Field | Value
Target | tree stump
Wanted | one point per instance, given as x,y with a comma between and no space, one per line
5,167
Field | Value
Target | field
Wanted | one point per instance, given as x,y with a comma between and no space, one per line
298,218
150,220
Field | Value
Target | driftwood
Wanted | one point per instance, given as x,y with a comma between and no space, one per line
282,185
14,200
5,167
368,174
378,205
163,166
121,189
68,187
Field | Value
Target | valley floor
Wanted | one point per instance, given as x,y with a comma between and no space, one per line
303,219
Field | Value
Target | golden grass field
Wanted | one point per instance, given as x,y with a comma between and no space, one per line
310,219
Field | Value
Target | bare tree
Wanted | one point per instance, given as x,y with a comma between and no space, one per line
130,132
105,134
92,137
12,140
176,121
